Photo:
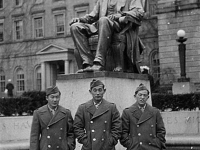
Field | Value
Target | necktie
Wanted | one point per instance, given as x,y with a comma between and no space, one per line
142,109
53,112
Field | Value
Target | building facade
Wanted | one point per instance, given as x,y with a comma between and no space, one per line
36,45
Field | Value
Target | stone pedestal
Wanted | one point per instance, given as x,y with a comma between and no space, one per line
120,88
183,87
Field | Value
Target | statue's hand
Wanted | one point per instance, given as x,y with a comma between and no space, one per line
114,16
123,19
74,20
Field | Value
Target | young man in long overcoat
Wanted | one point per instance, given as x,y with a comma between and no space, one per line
142,124
97,123
52,125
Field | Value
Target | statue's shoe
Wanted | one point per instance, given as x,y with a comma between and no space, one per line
97,68
87,69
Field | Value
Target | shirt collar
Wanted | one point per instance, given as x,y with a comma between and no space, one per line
142,107
97,104
52,109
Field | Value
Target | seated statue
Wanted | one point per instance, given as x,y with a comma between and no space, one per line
112,20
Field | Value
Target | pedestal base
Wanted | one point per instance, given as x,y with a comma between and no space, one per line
183,87
120,88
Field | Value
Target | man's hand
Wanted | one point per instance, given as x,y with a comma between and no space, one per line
74,20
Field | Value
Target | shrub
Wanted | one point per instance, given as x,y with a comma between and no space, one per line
176,102
26,103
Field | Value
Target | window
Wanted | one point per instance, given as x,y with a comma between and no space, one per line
155,64
1,4
38,27
18,2
80,11
20,80
38,1
2,81
38,78
18,29
59,23
1,31
151,7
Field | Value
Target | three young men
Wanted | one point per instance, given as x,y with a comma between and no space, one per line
97,123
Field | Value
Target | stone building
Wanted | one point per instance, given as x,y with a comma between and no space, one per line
36,46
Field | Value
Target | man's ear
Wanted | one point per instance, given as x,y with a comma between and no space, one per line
47,98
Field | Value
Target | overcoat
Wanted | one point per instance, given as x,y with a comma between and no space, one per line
97,129
52,132
142,131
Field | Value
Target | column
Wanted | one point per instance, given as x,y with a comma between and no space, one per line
67,67
43,71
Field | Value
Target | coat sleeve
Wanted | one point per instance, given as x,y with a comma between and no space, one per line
116,125
70,132
160,130
79,125
35,132
93,16
125,129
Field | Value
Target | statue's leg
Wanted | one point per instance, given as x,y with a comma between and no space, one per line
105,30
82,50
118,47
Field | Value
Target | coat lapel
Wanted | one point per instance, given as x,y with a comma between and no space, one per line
60,114
90,107
147,114
103,108
136,112
45,114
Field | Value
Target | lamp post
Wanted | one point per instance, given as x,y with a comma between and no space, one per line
182,49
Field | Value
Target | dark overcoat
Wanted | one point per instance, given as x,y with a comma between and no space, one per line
142,131
97,129
52,132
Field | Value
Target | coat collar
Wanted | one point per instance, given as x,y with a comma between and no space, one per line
103,108
47,118
142,117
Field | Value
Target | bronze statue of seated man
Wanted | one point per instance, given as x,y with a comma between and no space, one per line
107,18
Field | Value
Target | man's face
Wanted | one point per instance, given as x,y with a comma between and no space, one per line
53,100
97,93
142,97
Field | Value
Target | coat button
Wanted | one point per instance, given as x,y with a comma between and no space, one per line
152,126
150,134
102,139
105,121
48,137
104,130
140,143
138,125
149,143
61,128
92,130
139,134
94,139
49,146
60,138
57,147
47,128
91,121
